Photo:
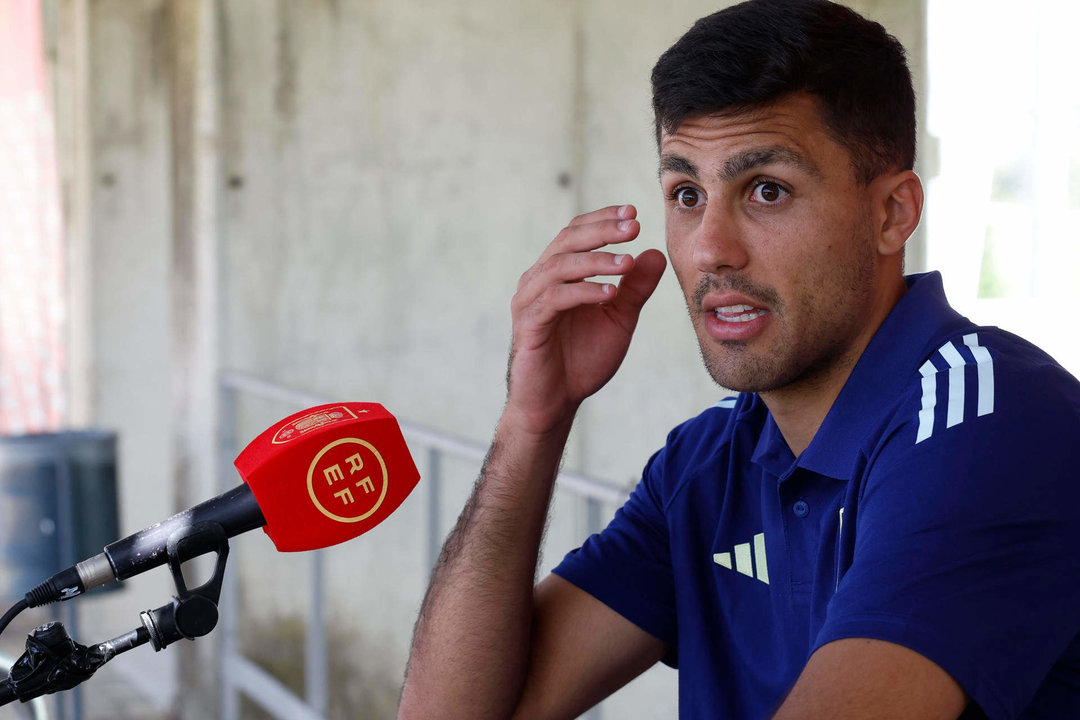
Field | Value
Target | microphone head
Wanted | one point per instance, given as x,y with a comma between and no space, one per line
327,474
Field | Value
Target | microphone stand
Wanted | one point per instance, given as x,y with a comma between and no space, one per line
54,662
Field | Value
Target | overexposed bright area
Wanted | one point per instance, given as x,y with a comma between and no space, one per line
1003,214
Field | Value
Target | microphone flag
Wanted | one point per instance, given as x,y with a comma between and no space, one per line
328,474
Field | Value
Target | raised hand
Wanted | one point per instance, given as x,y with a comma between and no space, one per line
571,334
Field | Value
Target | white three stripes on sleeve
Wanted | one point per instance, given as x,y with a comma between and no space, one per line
954,414
929,400
986,374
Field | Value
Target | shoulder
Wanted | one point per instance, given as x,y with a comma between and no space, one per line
989,380
700,442
985,409
706,434
713,425
968,516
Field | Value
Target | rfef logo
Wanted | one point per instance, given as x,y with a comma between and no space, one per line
347,480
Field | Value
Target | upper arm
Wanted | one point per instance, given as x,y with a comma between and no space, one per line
959,532
582,651
860,678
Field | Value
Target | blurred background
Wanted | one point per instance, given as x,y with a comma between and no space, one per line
214,213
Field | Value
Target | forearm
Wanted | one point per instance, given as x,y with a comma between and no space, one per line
471,644
471,647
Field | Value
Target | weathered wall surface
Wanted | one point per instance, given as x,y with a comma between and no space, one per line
386,171
129,225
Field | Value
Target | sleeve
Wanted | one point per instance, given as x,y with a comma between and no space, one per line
628,565
967,542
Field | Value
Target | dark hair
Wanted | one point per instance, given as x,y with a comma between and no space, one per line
757,52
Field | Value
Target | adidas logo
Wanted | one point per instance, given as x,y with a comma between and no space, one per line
746,562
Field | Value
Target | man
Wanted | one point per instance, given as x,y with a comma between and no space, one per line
884,523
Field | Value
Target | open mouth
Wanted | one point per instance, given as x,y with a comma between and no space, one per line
738,313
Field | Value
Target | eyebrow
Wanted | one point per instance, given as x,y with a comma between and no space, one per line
744,162
678,164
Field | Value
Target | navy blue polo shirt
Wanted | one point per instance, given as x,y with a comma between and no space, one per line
937,507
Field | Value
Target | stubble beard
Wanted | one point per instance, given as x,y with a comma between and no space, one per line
808,348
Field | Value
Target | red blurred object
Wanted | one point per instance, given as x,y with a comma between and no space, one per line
32,262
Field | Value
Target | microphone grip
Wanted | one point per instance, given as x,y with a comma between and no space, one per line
7,692
235,511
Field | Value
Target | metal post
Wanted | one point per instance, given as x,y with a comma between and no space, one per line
315,665
71,702
230,602
592,515
434,541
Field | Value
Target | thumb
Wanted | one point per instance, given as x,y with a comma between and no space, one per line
637,286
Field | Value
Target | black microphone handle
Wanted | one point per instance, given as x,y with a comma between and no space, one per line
7,693
235,511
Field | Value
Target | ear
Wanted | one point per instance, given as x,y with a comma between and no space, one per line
898,207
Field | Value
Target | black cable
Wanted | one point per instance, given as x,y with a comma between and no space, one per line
10,614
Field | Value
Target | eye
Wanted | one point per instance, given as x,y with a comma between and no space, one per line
768,192
687,197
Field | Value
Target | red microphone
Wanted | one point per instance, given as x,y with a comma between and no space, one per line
317,478
328,474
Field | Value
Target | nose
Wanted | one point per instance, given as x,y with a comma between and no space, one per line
718,242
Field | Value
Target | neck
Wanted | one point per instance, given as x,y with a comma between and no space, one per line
800,407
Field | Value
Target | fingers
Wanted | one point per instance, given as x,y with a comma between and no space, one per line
560,283
611,212
638,285
559,280
543,299
574,267
614,224
571,256
556,299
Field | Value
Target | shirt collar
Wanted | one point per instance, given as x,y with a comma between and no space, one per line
771,451
890,362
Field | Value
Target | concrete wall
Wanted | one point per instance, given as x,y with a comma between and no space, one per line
381,174
113,103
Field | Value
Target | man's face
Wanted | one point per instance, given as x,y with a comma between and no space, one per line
772,240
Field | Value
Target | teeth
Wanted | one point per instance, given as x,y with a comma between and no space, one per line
725,314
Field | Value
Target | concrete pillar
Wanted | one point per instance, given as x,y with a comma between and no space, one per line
193,290
73,139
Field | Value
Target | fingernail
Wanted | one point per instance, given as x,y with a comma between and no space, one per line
609,289
624,224
620,259
624,211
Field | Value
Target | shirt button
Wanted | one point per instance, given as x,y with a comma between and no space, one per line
801,508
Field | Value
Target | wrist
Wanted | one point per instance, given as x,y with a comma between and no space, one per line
535,428
525,454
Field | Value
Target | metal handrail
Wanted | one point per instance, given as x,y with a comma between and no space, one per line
577,483
240,675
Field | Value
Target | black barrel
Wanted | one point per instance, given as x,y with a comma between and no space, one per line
58,504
